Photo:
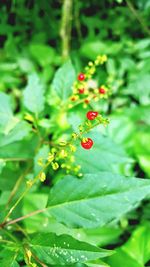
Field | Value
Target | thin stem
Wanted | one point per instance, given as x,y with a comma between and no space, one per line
25,216
66,25
23,194
138,17
19,181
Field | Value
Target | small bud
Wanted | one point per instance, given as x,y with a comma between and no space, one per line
74,136
63,143
63,154
53,150
55,166
42,177
29,117
72,148
88,123
90,63
80,174
50,157
80,128
29,183
29,254
40,162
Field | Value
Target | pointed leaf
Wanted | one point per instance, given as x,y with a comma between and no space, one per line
64,249
63,80
95,200
34,94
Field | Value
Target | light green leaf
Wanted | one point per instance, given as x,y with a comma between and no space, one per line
97,263
142,150
34,94
5,110
121,258
86,202
9,262
2,165
64,249
8,257
138,246
20,131
43,222
105,155
63,80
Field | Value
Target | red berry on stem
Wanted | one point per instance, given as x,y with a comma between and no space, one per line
87,144
81,77
102,91
91,115
81,91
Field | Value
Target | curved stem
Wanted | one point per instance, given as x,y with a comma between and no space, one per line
66,25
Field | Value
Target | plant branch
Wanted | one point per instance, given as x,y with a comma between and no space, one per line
24,217
66,26
138,17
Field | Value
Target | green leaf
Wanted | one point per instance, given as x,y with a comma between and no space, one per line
64,249
9,262
86,202
8,257
105,155
6,114
142,150
43,222
43,54
20,131
138,246
20,149
34,94
121,258
63,80
2,165
97,263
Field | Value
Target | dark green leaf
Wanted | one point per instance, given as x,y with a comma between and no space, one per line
64,249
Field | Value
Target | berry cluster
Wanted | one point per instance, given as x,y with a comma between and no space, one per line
85,89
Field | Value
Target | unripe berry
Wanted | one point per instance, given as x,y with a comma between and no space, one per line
102,91
86,101
81,77
87,144
91,115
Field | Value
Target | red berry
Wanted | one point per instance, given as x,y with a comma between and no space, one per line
81,91
91,115
87,144
81,77
102,91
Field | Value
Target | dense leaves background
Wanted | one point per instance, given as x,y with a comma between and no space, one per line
105,214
